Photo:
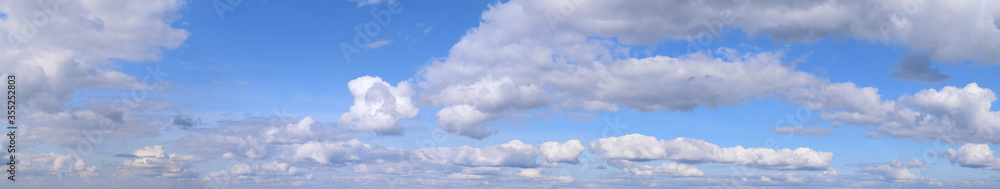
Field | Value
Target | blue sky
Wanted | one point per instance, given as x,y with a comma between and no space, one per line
512,94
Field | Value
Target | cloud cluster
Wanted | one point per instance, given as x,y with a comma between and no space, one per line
636,147
59,47
664,169
580,59
511,154
972,156
378,106
95,123
292,133
895,170
153,161
951,114
54,164
260,173
259,137
472,106
340,152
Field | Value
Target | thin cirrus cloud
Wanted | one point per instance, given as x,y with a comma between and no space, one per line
802,130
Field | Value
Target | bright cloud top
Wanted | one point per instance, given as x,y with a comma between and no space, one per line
378,106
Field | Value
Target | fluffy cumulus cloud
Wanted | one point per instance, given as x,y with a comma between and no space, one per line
58,47
511,154
567,152
465,120
378,106
636,147
153,161
472,106
972,156
341,152
802,130
951,114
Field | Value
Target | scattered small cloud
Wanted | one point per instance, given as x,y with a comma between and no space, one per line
801,130
377,44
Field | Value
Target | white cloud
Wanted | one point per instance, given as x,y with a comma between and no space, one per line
227,147
341,152
368,2
566,152
377,44
465,120
801,130
378,106
972,156
153,161
511,154
53,164
947,30
473,105
271,173
63,46
388,168
538,175
636,147
101,120
259,137
507,64
664,169
951,114
579,56
894,170
291,133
